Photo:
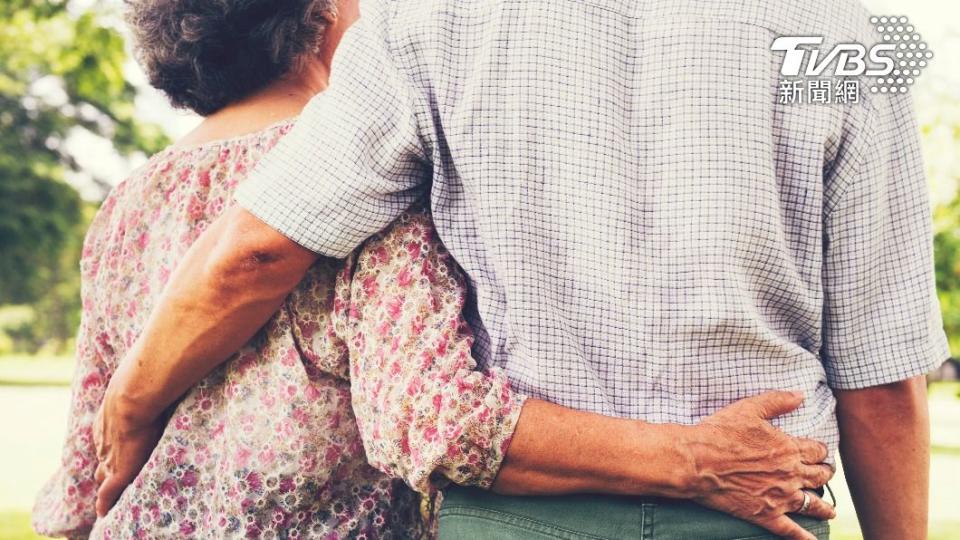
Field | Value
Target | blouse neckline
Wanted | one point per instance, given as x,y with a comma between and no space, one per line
215,143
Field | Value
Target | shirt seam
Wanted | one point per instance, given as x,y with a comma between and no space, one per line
425,149
871,114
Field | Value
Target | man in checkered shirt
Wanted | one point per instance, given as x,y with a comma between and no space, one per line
647,232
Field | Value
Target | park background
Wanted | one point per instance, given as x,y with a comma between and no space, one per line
76,116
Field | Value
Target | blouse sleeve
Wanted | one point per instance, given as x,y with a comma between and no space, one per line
425,412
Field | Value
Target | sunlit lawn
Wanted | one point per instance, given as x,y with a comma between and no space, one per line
34,419
32,371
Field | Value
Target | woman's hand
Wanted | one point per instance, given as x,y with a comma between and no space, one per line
123,443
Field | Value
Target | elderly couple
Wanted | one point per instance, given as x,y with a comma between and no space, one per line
526,269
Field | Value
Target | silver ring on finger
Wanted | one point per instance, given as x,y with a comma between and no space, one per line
807,499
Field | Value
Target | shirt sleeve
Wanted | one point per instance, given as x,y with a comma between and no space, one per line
426,414
881,319
354,161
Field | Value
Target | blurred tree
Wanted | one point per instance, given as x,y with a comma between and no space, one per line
947,256
939,108
59,73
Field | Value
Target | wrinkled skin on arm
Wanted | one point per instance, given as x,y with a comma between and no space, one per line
232,280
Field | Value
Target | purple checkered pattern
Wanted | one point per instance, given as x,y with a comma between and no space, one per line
648,233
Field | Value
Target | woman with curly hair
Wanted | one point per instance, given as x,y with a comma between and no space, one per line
267,444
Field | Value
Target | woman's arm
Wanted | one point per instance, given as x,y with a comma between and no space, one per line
425,413
428,416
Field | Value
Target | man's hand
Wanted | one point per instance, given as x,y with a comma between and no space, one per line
123,446
735,461
751,470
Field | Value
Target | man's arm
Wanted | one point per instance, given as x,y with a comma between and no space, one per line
232,280
882,328
733,461
885,447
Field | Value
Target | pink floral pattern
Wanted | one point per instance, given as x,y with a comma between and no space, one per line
423,408
268,445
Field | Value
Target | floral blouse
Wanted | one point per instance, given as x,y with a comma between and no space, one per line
267,446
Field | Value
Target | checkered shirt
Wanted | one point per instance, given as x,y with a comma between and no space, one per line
648,233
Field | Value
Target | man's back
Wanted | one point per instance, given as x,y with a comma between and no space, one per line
648,232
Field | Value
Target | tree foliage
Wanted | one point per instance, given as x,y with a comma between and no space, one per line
59,73
947,257
939,111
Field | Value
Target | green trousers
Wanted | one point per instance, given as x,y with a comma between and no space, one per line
474,514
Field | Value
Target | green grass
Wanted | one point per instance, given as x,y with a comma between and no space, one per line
947,391
36,371
15,525
944,450
944,530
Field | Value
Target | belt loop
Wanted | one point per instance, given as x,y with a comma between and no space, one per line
646,521
833,498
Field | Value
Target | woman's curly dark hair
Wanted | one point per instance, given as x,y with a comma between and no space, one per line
205,54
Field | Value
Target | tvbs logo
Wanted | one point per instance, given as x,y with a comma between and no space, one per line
849,58
896,61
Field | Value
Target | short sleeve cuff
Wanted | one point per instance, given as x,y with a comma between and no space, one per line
284,213
908,361
250,197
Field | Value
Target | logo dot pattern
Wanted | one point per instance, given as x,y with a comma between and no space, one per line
910,58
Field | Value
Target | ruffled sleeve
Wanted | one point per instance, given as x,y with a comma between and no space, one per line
425,413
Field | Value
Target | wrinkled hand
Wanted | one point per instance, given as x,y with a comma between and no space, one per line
752,470
123,446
